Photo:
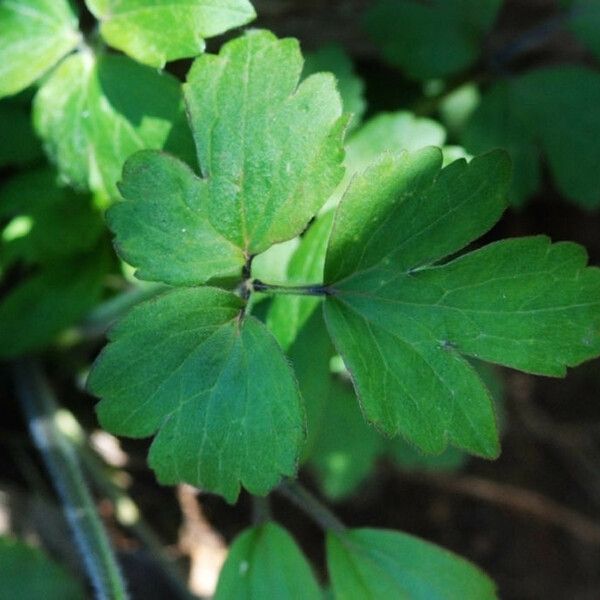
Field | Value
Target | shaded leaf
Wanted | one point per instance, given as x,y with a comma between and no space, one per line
25,572
431,39
345,448
53,298
18,145
265,562
584,21
45,222
550,112
310,355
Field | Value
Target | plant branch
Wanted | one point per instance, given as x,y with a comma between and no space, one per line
516,499
299,290
40,409
311,505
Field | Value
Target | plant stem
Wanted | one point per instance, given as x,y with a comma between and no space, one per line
261,510
40,409
313,507
300,290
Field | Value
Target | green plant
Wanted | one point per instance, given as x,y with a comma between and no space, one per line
292,251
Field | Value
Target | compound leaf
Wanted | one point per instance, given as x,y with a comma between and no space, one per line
214,388
431,39
402,323
25,572
95,111
34,36
270,149
265,562
380,564
155,32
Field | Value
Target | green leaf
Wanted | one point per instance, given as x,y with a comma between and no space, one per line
163,227
584,21
25,572
270,149
391,133
431,39
53,298
310,355
45,222
380,564
334,59
94,112
18,146
402,323
549,111
385,133
265,562
215,388
155,32
34,36
288,314
345,448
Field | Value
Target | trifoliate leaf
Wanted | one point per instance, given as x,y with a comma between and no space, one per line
18,145
288,314
155,32
584,21
214,388
265,562
94,112
25,572
351,87
431,39
270,149
34,36
380,564
401,323
550,111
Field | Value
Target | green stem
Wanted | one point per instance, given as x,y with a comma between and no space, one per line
300,290
313,507
129,516
60,457
261,510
